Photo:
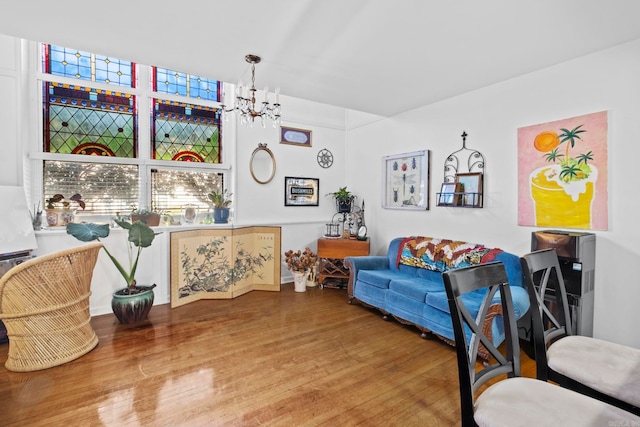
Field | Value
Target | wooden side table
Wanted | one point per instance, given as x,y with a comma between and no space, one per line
331,253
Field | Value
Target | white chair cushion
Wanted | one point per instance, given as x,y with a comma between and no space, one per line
610,368
530,402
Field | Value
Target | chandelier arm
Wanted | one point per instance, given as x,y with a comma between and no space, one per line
246,107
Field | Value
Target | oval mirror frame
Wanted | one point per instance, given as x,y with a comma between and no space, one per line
260,173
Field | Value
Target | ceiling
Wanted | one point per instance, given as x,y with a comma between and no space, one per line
378,56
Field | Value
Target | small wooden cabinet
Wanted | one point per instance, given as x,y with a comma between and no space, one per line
331,254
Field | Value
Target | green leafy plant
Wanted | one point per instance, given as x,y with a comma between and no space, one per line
571,168
341,194
344,199
58,200
220,199
140,236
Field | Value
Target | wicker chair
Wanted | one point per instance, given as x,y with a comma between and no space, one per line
44,303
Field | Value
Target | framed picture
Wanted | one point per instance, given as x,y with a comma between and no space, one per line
301,191
406,181
471,187
449,194
293,136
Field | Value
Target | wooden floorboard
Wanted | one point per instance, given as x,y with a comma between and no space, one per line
265,358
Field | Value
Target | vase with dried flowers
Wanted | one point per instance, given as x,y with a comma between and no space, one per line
300,263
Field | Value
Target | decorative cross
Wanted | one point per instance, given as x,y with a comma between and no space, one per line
464,139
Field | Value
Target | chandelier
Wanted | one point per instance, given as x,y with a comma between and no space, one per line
245,101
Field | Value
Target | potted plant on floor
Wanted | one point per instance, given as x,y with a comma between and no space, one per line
221,202
300,264
60,210
132,303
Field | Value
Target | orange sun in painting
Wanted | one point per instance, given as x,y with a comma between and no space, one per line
546,141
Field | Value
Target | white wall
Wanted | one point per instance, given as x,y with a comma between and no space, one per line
9,81
607,80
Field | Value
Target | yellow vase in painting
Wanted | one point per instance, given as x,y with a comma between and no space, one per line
562,204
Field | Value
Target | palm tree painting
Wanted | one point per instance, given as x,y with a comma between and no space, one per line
562,173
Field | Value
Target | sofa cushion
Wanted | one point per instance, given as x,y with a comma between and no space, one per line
371,295
415,288
378,278
472,301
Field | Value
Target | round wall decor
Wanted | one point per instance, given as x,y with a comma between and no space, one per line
325,158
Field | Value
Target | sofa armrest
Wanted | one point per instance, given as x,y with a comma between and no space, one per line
357,263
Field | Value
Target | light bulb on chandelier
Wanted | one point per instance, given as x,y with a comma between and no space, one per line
245,106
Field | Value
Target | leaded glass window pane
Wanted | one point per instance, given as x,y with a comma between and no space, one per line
171,190
77,64
183,84
185,132
83,120
106,188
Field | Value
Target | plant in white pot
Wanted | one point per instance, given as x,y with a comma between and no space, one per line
60,210
132,303
221,202
300,263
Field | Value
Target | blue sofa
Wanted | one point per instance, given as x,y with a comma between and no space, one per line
407,283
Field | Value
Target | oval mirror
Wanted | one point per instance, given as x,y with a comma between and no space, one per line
262,164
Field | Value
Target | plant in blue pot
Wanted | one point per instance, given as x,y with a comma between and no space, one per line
221,202
132,303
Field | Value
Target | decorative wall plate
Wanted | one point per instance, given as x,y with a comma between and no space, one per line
325,158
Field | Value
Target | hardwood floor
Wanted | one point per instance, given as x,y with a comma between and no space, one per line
265,358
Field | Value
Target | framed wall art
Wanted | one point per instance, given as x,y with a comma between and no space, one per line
406,181
293,136
449,194
301,191
563,173
471,188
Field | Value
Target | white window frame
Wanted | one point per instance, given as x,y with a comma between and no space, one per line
32,87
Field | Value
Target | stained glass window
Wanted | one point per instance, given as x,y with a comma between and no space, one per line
183,84
83,116
83,120
73,63
185,132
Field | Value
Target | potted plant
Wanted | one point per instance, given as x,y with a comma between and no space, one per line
221,202
344,199
300,263
147,216
62,211
132,303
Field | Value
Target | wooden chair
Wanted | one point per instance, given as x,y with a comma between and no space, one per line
44,303
606,371
513,400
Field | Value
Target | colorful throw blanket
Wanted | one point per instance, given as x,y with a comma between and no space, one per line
442,254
